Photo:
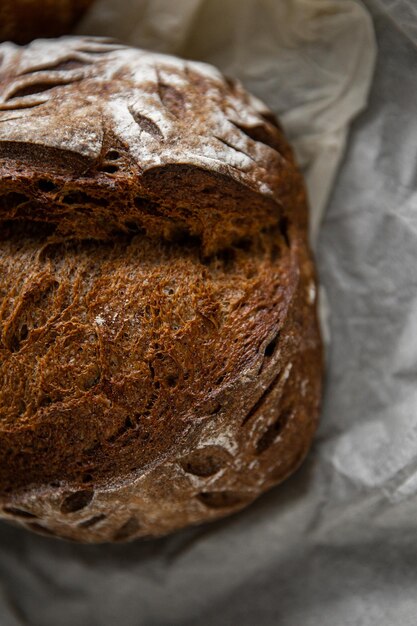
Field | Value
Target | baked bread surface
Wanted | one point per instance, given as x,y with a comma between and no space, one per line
24,20
160,359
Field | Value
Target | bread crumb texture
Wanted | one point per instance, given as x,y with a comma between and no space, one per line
160,359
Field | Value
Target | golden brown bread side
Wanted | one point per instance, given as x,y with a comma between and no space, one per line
24,20
160,360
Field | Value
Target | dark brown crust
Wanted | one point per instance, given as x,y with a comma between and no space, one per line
24,20
160,360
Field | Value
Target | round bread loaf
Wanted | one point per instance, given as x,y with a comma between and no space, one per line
160,359
23,20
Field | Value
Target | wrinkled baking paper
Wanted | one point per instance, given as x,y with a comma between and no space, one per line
335,544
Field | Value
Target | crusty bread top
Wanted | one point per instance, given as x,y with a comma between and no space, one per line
100,122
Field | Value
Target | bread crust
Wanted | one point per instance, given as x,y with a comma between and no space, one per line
24,20
160,358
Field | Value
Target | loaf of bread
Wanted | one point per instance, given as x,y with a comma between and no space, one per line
23,20
160,359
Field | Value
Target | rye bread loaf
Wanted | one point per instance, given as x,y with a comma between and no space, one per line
23,20
160,359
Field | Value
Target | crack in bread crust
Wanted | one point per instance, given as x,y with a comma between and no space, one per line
68,106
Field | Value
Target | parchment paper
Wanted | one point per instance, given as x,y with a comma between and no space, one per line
335,545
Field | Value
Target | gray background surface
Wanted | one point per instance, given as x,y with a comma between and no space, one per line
336,544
